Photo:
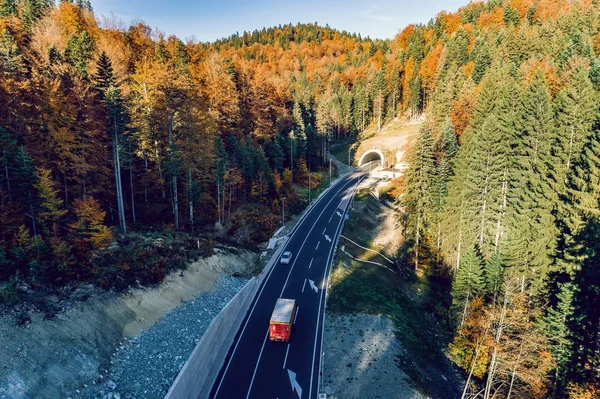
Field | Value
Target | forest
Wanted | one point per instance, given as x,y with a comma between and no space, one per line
109,130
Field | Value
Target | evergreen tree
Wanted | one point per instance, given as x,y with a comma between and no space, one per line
576,108
448,144
276,155
11,58
311,147
25,180
8,8
32,11
532,229
468,281
494,272
117,120
556,326
418,198
79,51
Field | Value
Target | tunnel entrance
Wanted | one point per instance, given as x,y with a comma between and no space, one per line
370,156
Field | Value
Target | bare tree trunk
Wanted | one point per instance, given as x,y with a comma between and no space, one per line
119,188
219,199
131,183
32,214
190,199
417,239
465,309
65,184
473,362
503,209
6,172
514,372
175,196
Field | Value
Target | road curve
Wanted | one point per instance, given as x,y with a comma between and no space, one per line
259,368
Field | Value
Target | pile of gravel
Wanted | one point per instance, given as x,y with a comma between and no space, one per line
146,366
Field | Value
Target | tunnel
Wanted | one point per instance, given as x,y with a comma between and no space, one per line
370,156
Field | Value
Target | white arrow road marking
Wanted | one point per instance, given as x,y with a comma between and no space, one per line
295,384
303,285
286,353
327,238
338,213
313,286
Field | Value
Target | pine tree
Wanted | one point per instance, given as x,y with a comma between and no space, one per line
494,272
556,325
576,111
11,58
8,8
532,230
32,11
79,51
418,198
117,119
468,282
25,180
276,155
448,144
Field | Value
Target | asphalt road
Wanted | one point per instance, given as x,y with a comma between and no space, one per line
260,368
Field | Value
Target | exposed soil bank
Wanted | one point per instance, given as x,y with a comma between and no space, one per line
57,357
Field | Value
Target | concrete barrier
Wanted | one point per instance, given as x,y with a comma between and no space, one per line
196,377
198,374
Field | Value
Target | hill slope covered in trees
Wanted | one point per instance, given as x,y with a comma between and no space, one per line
502,193
110,129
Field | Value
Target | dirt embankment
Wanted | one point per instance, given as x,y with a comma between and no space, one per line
56,357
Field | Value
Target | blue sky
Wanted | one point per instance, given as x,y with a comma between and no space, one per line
211,20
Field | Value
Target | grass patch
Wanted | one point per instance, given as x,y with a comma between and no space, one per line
417,305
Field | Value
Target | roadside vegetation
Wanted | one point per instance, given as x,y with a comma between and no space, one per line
418,306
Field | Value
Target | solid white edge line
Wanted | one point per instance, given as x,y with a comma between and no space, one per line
266,280
256,368
286,354
303,285
285,284
327,274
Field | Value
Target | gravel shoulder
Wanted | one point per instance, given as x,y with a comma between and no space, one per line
361,359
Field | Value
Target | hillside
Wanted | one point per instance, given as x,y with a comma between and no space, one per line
107,129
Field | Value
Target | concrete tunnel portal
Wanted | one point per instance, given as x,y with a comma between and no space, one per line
370,156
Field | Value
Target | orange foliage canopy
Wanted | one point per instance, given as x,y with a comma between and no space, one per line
429,66
494,17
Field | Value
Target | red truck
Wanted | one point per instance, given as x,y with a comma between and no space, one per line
282,320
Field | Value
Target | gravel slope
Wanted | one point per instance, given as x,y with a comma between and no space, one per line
361,359
145,367
102,344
